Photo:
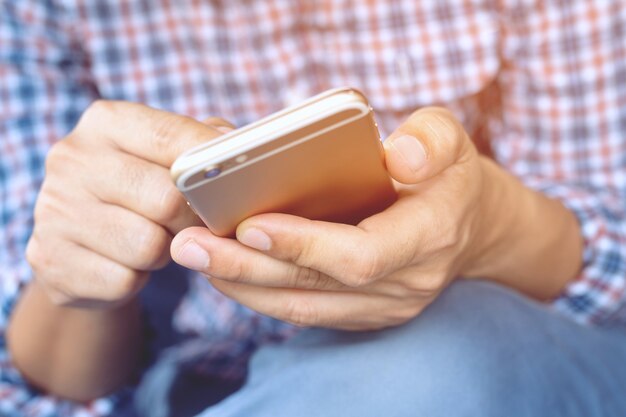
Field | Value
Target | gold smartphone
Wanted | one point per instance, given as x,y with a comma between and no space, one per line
321,159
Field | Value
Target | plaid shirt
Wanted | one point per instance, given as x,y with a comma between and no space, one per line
543,83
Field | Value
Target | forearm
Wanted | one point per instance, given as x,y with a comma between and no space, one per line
529,242
79,354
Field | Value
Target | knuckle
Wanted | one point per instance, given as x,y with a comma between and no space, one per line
227,265
36,255
106,283
233,269
109,282
115,283
60,290
300,313
161,200
66,163
171,205
97,111
363,268
48,210
309,278
134,177
101,106
59,157
47,270
54,287
444,126
151,245
165,130
452,237
302,251
463,238
443,117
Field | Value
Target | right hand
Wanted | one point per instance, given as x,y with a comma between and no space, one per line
107,209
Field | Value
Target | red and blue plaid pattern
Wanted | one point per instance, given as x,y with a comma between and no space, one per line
542,82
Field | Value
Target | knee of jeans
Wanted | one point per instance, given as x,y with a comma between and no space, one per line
476,323
471,349
463,356
484,310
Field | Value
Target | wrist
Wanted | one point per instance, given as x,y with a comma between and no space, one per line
500,221
55,346
524,239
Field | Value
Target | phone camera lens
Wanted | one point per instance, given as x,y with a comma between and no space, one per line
212,172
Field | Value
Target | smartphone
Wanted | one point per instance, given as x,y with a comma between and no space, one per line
321,159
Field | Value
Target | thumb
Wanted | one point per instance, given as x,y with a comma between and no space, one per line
426,144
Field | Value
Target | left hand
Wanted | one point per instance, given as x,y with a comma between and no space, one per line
380,273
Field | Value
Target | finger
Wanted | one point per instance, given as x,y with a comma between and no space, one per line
116,233
142,187
198,249
218,123
340,310
353,255
154,135
425,145
76,276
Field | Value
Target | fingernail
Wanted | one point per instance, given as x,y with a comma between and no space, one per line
411,150
256,239
192,256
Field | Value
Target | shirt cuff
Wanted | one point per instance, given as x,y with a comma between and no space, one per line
598,294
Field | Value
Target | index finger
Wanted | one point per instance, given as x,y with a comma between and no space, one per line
353,255
154,135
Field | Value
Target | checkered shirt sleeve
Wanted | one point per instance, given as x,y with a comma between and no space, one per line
563,132
43,90
560,69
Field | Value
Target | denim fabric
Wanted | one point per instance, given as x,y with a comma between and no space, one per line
479,350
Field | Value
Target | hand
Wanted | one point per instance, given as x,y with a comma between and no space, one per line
380,273
108,209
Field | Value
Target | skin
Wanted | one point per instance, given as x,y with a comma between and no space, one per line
101,226
104,219
458,214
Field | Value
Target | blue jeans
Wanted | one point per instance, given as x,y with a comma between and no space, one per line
479,350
